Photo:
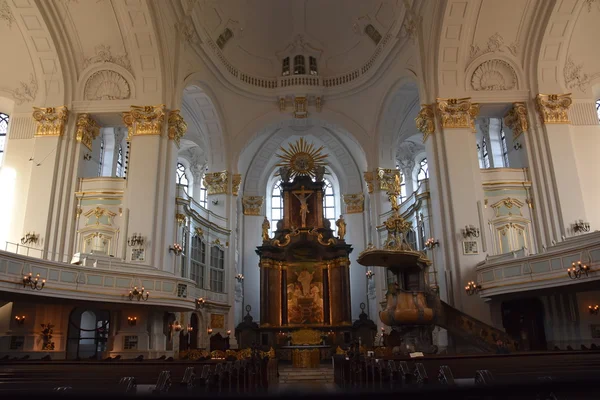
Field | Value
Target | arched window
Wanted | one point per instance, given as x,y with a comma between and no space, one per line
203,193
224,38
120,162
299,67
423,171
198,261
217,269
313,66
373,33
181,178
3,132
402,185
329,204
285,66
276,206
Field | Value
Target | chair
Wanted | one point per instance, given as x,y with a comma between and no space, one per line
483,377
421,374
188,377
128,384
445,376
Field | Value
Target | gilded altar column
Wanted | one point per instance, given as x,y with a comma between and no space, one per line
339,292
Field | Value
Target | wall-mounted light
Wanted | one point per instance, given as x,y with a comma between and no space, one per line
200,303
139,294
176,248
228,332
581,227
209,331
594,310
370,274
190,329
239,277
517,146
470,231
431,243
30,238
87,156
132,321
176,326
577,270
33,283
136,240
20,319
215,202
472,288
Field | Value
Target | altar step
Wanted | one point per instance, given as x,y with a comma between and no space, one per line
321,375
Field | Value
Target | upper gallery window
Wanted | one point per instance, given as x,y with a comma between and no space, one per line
484,154
181,178
203,193
285,66
217,269
329,204
276,206
120,170
373,33
423,171
313,66
198,261
224,38
3,132
402,196
504,148
101,162
299,67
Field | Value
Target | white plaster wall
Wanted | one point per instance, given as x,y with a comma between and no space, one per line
251,238
586,145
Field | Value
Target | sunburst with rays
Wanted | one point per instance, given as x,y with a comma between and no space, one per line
302,159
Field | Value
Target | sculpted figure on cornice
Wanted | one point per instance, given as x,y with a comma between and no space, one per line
516,119
50,120
553,108
425,121
355,203
252,204
87,130
216,182
177,126
106,85
494,44
458,113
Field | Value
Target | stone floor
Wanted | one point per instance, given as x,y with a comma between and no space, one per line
304,380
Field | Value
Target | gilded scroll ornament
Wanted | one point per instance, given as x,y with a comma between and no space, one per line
180,218
50,120
236,180
321,239
553,108
457,113
300,107
426,121
355,203
369,179
216,182
516,119
385,177
128,121
87,130
177,126
147,120
252,205
306,337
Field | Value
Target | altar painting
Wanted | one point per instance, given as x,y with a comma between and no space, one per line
305,294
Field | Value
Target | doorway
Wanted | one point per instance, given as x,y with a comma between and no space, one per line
87,335
523,319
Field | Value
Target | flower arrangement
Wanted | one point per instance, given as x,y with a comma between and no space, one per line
431,243
47,335
370,274
176,248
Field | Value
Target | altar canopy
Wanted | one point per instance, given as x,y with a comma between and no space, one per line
304,268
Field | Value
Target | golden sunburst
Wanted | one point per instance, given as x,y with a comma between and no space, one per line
302,159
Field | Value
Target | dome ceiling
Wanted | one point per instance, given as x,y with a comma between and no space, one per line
264,31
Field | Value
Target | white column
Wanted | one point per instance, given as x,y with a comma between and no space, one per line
252,228
356,229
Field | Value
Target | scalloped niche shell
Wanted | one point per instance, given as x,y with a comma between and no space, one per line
494,75
106,85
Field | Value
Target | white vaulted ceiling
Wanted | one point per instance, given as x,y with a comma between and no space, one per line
264,29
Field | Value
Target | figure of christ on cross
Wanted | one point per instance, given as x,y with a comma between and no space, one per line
303,205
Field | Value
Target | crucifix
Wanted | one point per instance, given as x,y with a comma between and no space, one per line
303,205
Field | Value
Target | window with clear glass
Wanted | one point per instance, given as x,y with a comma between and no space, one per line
181,178
184,245
373,33
203,193
402,185
313,65
423,171
504,148
484,154
276,206
299,67
285,66
598,108
224,38
198,261
217,269
329,204
3,131
101,155
120,162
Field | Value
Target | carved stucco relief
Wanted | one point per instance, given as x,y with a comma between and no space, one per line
494,75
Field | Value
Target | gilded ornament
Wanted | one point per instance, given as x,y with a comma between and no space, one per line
386,177
177,126
369,179
266,226
425,121
300,107
216,182
282,104
128,121
180,218
553,108
50,120
341,225
302,159
457,113
236,180
516,119
321,239
252,205
306,337
87,130
199,232
147,120
355,203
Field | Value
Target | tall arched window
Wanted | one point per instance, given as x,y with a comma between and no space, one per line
299,67
402,185
329,204
423,171
3,132
203,193
276,206
181,178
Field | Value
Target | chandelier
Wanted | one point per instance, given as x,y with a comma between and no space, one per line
33,283
472,288
139,294
577,270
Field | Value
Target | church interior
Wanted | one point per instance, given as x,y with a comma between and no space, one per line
253,196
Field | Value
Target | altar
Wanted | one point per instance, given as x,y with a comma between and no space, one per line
306,346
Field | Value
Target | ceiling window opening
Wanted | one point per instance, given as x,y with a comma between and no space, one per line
224,38
299,67
313,66
329,205
373,33
285,66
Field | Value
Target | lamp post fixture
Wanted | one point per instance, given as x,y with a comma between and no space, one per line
139,294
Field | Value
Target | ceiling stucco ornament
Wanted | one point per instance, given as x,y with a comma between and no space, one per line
106,85
425,121
104,55
406,154
355,203
26,92
590,3
494,75
252,205
457,113
87,130
6,13
495,44
554,108
516,119
575,78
